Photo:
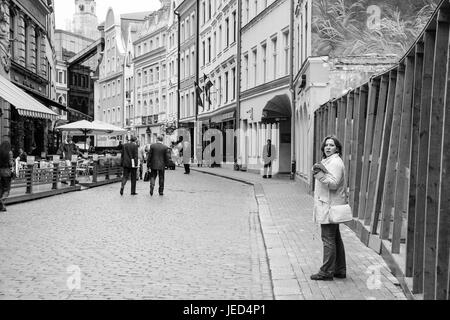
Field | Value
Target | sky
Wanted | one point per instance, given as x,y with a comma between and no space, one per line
64,9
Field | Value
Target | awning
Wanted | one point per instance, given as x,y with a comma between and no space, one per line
26,105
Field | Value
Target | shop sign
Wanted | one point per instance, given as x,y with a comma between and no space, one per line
30,160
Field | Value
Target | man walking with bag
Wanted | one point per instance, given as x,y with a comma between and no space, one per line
269,154
129,164
157,160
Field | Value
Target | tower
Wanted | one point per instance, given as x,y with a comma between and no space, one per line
85,19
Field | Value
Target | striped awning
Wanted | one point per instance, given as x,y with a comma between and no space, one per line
26,105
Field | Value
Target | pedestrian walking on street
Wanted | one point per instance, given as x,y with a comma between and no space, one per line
186,156
6,164
141,158
129,164
269,155
157,160
330,190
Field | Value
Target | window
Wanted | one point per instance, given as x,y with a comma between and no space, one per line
220,90
188,66
203,12
209,9
188,31
255,69
234,26
286,52
37,42
145,77
157,73
233,73
264,61
209,49
12,33
256,8
27,42
151,75
227,32
214,44
246,71
275,60
226,87
119,88
203,53
247,10
219,46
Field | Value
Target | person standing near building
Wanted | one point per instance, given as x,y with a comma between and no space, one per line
6,163
269,155
186,156
130,164
157,160
68,149
330,190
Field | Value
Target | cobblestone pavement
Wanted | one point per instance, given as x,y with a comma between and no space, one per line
294,247
201,240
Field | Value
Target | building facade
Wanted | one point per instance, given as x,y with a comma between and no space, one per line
28,72
85,19
150,72
265,99
217,64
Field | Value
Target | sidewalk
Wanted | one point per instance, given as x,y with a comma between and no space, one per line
294,247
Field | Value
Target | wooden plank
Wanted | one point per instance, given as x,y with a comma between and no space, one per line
390,173
332,117
404,157
376,149
340,123
434,159
354,143
348,133
422,162
359,131
411,228
325,120
374,87
384,150
443,243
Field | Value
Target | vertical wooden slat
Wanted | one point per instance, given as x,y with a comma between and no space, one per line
359,129
410,244
354,143
325,120
400,208
384,149
389,183
367,145
443,243
348,134
434,156
422,165
376,149
332,117
341,118
316,136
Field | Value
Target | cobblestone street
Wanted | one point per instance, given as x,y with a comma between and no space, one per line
201,240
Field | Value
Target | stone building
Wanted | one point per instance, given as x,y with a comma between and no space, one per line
85,19
27,75
150,72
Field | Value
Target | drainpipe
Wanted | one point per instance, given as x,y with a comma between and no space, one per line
178,69
237,124
292,90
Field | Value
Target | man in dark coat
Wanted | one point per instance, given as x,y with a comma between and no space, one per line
157,160
130,164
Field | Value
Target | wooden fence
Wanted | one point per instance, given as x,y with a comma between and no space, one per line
395,132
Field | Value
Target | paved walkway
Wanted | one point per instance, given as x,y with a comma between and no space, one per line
294,246
201,240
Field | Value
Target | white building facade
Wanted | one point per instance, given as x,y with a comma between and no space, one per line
265,98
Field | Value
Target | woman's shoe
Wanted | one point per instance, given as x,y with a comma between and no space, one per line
319,276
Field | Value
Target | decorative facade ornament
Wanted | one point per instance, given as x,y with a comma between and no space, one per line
5,56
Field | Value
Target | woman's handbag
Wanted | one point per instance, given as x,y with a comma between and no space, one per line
340,213
147,176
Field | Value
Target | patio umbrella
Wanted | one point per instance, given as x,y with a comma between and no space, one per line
92,128
110,129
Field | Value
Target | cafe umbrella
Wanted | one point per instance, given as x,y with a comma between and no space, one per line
89,128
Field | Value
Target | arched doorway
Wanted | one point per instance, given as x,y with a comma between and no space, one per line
278,111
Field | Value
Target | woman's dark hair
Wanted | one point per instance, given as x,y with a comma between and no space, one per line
5,148
337,143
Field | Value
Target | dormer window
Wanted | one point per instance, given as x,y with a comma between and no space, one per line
81,6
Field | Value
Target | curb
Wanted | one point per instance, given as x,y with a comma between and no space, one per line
285,285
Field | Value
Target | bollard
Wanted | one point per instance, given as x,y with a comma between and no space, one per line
107,165
73,174
55,176
30,178
94,171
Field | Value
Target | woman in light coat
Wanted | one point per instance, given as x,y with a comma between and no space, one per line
330,189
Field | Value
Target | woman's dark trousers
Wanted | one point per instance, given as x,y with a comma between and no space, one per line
333,251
